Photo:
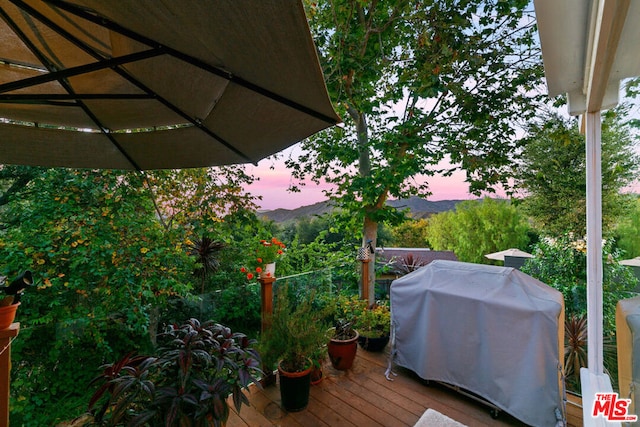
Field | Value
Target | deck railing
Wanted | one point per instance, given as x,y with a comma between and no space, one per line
6,337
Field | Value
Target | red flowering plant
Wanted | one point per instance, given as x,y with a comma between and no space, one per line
265,253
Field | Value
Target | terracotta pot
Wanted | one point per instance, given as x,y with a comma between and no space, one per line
374,343
316,375
294,388
342,352
7,315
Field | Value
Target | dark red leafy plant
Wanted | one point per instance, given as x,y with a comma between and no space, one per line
198,366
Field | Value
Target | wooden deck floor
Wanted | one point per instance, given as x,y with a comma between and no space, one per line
362,396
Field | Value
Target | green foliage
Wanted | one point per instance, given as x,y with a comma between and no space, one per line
317,256
296,332
196,368
103,266
239,307
198,196
628,230
111,267
562,264
478,227
413,84
371,321
552,173
410,234
307,229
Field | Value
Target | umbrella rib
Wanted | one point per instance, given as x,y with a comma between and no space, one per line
102,21
61,100
193,121
89,50
81,69
45,61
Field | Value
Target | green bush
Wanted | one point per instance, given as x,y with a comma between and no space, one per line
562,264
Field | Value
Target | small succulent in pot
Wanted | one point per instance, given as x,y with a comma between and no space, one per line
343,330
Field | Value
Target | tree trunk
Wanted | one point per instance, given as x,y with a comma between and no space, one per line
370,227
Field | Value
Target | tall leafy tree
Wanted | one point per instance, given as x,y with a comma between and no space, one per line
477,228
199,195
418,82
552,173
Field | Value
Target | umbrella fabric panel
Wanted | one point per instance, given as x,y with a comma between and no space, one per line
491,330
244,76
22,145
195,148
50,114
257,41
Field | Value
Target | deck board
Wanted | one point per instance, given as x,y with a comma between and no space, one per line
362,396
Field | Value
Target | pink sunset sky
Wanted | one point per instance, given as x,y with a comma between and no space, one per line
275,178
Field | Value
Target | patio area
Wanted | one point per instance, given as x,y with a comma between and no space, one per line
362,396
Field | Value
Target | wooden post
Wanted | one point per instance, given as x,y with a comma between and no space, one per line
266,300
6,336
365,279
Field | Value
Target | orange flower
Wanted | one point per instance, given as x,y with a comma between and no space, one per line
250,276
243,270
258,269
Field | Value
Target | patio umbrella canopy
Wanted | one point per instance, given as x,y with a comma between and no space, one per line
148,84
508,252
633,262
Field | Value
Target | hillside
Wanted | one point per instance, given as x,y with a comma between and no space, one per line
419,208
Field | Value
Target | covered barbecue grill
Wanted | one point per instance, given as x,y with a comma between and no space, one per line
492,331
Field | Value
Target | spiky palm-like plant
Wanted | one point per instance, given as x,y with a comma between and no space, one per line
206,251
575,349
575,352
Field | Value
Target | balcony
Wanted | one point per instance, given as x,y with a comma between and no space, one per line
362,396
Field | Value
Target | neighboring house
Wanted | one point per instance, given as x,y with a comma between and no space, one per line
392,263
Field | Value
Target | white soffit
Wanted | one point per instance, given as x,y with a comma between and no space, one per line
588,47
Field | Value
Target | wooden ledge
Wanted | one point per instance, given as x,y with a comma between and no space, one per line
11,331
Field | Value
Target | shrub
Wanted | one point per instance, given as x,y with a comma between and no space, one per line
196,368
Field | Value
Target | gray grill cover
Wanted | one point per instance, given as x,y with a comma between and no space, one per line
494,331
628,342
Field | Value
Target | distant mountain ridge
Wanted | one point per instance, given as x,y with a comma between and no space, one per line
419,208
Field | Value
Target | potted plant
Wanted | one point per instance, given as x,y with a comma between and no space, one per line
374,325
263,261
11,301
197,367
295,335
342,345
318,358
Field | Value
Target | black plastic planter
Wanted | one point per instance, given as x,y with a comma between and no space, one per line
375,344
294,389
